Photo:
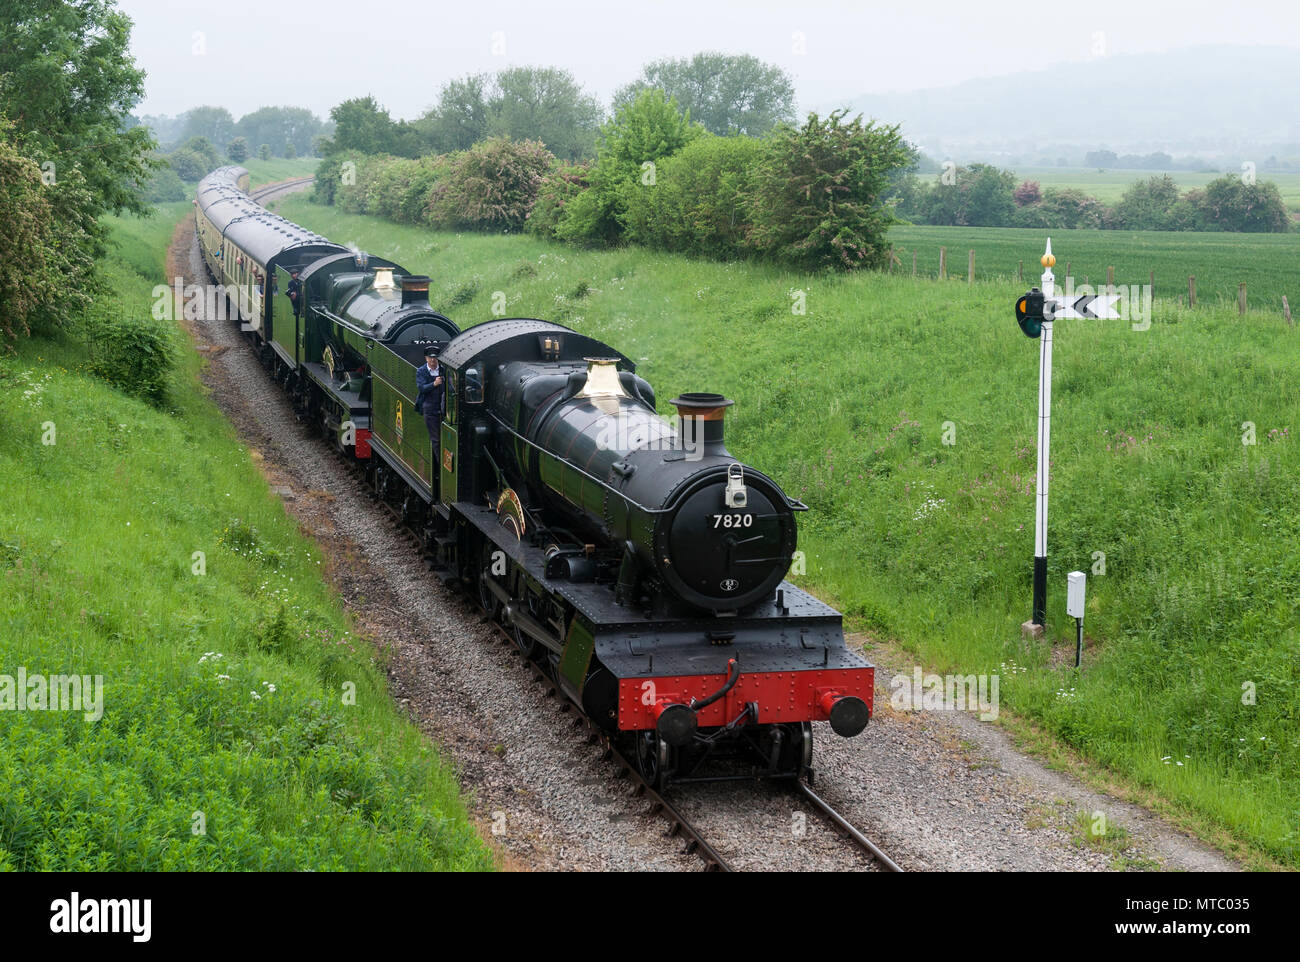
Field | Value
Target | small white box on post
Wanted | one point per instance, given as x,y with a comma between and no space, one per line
1074,594
1076,584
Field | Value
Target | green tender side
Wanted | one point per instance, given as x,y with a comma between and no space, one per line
393,418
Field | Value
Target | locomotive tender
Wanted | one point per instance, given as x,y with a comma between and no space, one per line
635,560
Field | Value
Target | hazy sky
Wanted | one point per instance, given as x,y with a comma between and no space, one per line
244,54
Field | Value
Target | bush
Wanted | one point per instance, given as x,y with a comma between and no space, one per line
237,150
413,191
491,186
558,189
1065,208
398,188
818,193
330,172
133,355
1229,204
697,203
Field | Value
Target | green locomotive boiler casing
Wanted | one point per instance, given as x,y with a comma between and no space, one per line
589,441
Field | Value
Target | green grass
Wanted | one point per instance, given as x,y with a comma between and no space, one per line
98,534
279,168
1268,263
930,545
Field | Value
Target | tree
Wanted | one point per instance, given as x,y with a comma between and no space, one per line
290,150
818,195
46,270
649,128
205,149
1100,159
727,94
980,195
237,150
1149,204
546,104
362,124
280,125
212,123
460,120
264,152
188,165
68,82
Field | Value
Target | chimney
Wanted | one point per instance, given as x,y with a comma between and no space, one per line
415,289
702,416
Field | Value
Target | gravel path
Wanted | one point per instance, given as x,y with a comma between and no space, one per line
934,790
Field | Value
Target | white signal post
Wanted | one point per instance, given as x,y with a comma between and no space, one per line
1044,439
1082,306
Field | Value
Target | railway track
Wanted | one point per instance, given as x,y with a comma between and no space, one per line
678,823
271,191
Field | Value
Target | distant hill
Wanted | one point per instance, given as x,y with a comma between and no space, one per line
1203,99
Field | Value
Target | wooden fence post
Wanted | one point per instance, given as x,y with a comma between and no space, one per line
1191,290
1241,298
1067,272
970,268
913,262
943,262
1152,285
1110,278
1022,272
1286,310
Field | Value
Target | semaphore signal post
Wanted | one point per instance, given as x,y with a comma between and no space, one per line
1035,311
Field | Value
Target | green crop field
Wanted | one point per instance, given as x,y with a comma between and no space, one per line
1109,185
1269,264
143,546
1194,644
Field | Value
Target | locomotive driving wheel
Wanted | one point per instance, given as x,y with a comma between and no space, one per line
486,597
525,642
655,759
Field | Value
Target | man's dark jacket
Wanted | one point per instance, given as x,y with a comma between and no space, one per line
428,394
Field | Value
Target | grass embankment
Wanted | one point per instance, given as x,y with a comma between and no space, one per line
244,726
929,544
1269,264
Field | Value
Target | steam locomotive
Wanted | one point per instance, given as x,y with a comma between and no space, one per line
635,559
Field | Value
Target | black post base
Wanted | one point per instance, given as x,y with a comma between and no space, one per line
1040,591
